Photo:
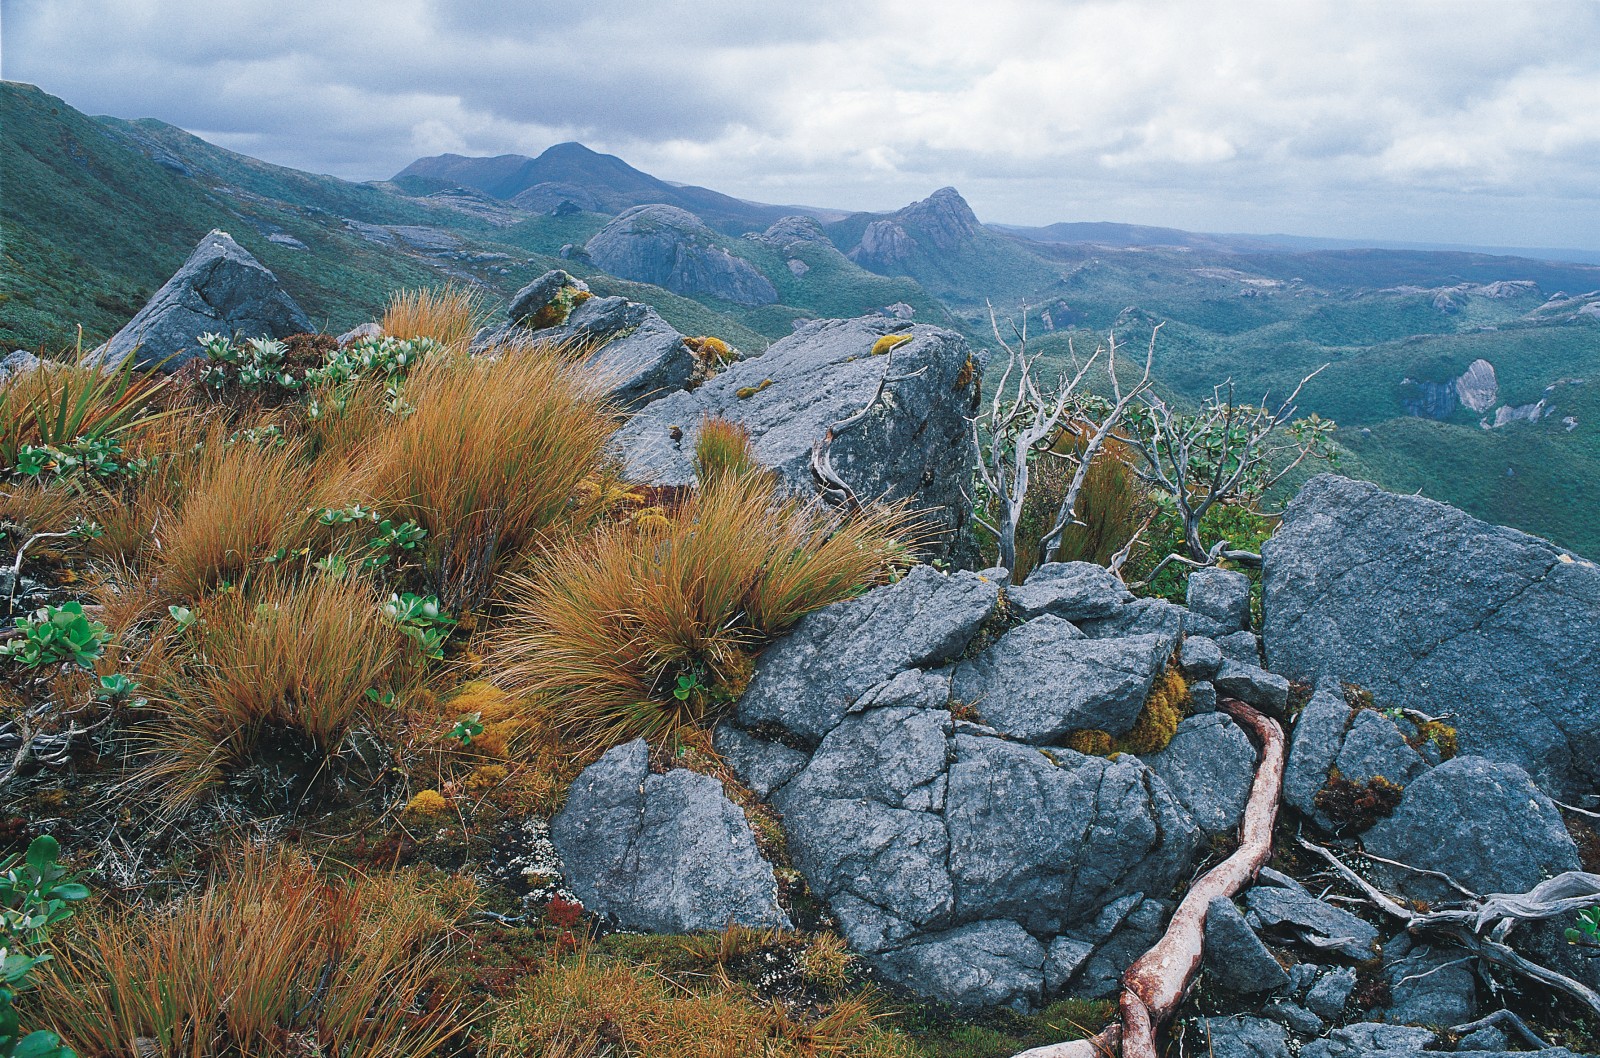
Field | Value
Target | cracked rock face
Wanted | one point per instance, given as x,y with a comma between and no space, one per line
220,289
667,853
975,868
912,444
1431,609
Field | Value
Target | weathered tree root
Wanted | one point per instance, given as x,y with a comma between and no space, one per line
1156,983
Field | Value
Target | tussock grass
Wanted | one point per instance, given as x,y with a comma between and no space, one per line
272,959
588,1007
490,460
244,503
723,448
449,316
641,628
295,662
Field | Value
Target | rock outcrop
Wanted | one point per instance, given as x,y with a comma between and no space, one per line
671,248
221,289
971,866
1429,608
668,853
912,443
638,355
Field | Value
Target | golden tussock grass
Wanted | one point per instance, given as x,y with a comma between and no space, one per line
588,1007
637,630
272,959
296,659
490,460
243,504
449,316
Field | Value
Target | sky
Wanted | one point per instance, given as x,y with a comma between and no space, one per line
1469,122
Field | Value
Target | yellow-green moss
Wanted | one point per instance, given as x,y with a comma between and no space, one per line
1158,720
746,392
887,342
1441,734
427,803
1092,741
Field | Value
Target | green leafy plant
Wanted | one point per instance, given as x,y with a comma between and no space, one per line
421,619
184,617
55,635
467,728
35,894
1588,929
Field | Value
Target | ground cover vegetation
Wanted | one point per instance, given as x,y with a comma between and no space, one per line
301,634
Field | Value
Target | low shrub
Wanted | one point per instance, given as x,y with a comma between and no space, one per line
271,959
639,629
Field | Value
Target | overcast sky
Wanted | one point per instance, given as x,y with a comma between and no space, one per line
1465,122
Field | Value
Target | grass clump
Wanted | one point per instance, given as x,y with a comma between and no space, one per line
271,959
589,1007
489,459
291,669
449,316
639,631
723,449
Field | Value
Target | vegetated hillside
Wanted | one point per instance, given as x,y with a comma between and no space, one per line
571,172
98,214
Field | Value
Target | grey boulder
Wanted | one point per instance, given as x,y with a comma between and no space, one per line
1242,1037
1427,986
1303,918
638,356
1044,679
1253,685
1235,958
1072,591
910,442
981,965
1218,601
809,679
1431,609
1484,824
1209,766
220,289
667,853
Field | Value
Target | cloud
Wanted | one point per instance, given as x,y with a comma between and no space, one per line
1428,120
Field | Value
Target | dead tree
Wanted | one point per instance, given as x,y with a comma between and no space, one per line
1024,422
1157,982
1224,453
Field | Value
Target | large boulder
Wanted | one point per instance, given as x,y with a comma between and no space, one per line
638,355
668,853
907,439
220,289
672,248
1429,608
1044,679
1482,823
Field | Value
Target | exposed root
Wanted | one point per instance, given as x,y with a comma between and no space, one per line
1156,983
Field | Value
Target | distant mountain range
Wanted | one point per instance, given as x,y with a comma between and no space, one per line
97,212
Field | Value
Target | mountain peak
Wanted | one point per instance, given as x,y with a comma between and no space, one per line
943,219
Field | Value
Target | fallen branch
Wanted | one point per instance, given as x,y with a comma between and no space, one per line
1556,896
1156,983
1506,1019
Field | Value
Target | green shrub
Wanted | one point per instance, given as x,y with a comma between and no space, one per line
35,892
56,635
